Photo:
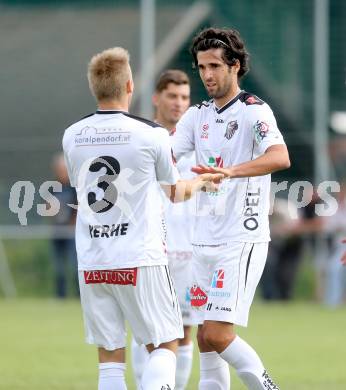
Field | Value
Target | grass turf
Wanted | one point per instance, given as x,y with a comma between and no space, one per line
303,345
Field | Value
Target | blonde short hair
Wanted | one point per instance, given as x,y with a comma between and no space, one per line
108,73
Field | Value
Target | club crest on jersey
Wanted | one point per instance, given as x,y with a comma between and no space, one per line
231,128
197,296
218,278
216,162
205,133
261,130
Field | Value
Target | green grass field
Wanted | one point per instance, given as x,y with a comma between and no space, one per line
42,346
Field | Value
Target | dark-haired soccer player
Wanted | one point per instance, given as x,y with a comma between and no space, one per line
234,133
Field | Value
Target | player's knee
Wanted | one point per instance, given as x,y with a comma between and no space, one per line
200,338
217,340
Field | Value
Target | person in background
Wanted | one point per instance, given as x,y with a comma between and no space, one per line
343,257
63,243
333,291
284,255
171,99
335,226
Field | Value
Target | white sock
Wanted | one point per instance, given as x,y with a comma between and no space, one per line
214,372
111,376
139,358
248,365
159,372
184,365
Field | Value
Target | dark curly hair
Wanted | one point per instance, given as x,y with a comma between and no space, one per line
227,39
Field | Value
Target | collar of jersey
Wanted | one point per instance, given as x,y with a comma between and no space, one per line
110,112
229,104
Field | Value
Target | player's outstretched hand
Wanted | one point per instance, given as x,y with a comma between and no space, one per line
209,181
202,169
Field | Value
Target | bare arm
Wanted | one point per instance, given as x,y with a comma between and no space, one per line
185,189
274,159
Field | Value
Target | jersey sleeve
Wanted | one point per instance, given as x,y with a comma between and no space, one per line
166,171
183,138
263,125
68,163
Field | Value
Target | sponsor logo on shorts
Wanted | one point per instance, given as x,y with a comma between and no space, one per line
113,276
198,296
223,308
166,387
187,295
218,278
221,294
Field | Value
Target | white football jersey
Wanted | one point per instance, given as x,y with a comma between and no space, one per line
238,132
179,216
115,160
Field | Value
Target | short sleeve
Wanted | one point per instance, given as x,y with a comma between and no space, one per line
183,138
264,127
166,171
67,162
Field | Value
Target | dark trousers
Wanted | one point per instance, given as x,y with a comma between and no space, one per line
65,266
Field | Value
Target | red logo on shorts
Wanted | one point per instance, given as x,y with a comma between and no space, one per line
198,297
112,276
218,277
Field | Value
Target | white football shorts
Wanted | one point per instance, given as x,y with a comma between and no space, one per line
143,296
224,280
180,265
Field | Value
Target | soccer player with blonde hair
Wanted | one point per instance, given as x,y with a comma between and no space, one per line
115,161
